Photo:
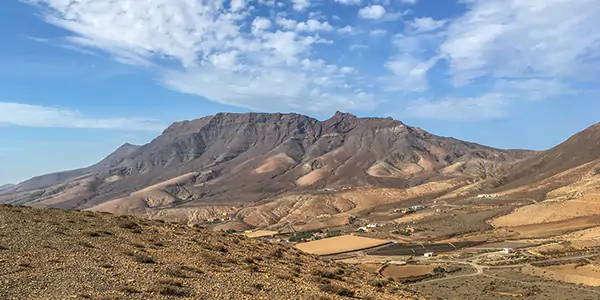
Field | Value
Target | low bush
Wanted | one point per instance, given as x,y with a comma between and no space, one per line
337,290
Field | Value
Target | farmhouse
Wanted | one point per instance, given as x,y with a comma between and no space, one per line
508,250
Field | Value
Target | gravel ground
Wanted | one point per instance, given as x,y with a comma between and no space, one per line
54,254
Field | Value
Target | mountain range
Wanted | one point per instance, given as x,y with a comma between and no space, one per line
264,170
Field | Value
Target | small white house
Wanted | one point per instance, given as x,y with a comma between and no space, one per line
428,254
374,225
508,250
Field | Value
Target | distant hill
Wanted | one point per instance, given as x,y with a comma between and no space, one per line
6,186
200,169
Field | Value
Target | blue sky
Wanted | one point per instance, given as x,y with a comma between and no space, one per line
79,78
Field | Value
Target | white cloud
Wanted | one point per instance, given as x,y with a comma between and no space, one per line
40,116
236,5
349,2
313,25
349,30
511,38
485,107
220,59
286,23
378,32
372,12
301,5
260,24
412,2
425,24
230,51
409,74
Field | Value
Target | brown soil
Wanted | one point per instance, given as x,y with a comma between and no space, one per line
555,228
586,274
340,244
404,272
369,267
52,254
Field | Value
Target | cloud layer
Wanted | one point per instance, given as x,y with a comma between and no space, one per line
305,56
40,116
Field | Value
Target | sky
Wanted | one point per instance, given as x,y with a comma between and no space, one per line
78,78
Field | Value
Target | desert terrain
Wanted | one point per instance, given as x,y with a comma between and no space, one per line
53,254
442,217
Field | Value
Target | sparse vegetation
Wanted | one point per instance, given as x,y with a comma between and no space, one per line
140,258
169,290
301,236
188,264
127,224
333,233
337,290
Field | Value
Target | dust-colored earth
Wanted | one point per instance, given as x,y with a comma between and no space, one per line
407,271
340,244
53,254
587,274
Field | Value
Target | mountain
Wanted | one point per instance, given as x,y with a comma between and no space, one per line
71,254
563,182
5,186
579,150
222,164
59,177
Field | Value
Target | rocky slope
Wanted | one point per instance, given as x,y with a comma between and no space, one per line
196,170
87,255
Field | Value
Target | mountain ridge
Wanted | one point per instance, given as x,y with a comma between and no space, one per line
235,159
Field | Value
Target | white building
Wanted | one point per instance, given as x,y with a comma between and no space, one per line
428,254
508,250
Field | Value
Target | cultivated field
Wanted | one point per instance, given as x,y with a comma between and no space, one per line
573,273
260,233
407,271
340,244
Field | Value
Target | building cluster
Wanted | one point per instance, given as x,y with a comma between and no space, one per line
410,210
488,196
368,227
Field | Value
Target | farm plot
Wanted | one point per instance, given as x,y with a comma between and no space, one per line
340,244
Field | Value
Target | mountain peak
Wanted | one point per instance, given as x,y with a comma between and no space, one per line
342,115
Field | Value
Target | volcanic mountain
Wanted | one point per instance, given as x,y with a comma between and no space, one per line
222,164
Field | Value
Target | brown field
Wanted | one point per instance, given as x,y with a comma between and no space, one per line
556,228
340,244
369,267
260,233
403,272
572,273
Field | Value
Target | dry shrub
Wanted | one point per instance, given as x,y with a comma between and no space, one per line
278,253
167,290
175,273
93,233
140,258
129,290
192,269
286,276
85,244
171,282
127,224
378,282
337,290
327,273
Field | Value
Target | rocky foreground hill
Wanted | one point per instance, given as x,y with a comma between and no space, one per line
54,254
218,165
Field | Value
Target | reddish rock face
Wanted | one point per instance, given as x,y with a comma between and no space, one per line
242,158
